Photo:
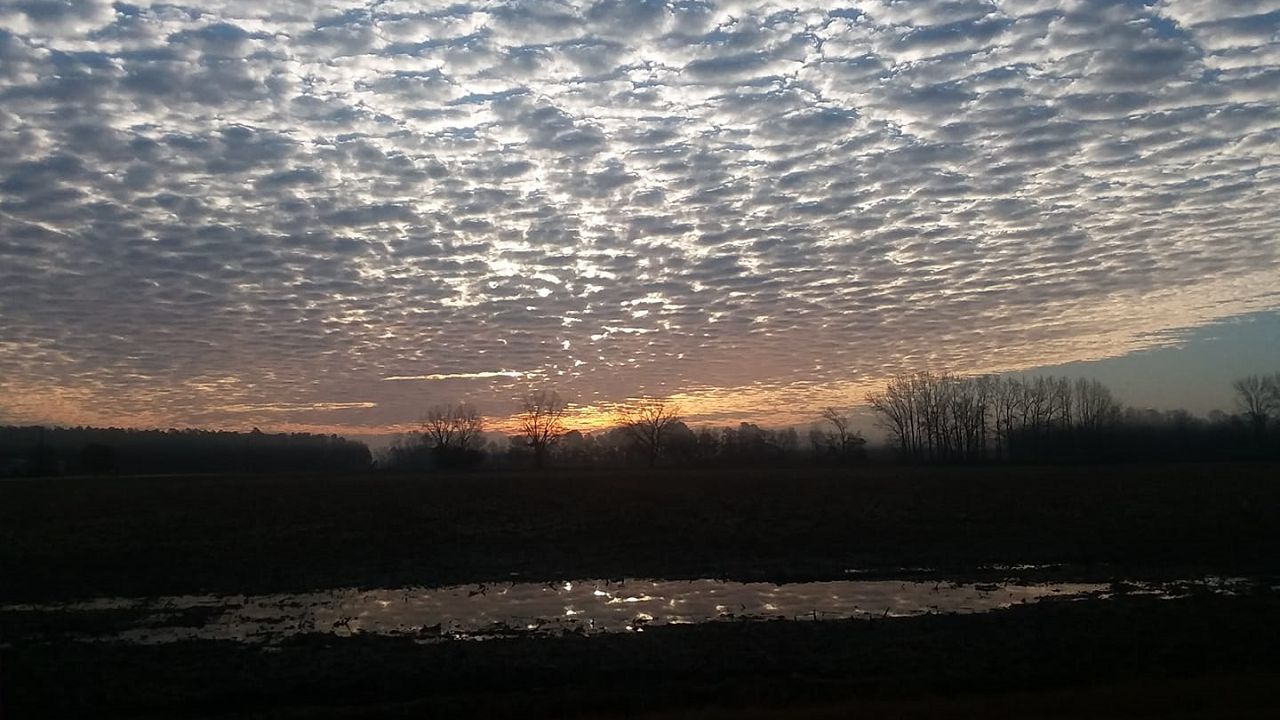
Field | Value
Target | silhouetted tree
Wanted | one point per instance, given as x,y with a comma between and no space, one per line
453,432
541,423
1096,409
1257,396
912,411
947,418
648,421
409,451
682,442
836,439
751,444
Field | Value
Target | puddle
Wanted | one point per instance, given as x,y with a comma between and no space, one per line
507,609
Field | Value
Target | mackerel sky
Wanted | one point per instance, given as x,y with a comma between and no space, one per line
327,215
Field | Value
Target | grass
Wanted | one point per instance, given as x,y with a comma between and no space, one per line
68,538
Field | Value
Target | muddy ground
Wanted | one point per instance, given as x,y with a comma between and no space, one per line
1201,656
164,536
1133,656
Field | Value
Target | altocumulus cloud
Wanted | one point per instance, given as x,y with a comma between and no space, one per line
210,210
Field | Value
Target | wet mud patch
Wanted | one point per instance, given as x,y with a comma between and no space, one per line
581,607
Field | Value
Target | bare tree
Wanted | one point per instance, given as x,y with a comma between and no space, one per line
453,427
1257,397
839,439
452,433
1095,407
1273,382
898,411
541,423
648,421
934,417
1006,400
948,418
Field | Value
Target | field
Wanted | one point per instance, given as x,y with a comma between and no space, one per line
80,538
146,536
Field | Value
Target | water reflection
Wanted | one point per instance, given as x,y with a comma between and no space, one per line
586,607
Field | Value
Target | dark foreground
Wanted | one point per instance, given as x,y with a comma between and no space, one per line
1201,656
160,536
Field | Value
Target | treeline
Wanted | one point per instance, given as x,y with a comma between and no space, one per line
647,431
948,418
744,445
943,418
928,417
39,451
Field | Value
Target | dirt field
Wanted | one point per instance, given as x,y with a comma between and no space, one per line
1196,657
95,537
1136,656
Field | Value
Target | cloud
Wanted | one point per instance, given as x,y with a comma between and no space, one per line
459,376
224,211
295,407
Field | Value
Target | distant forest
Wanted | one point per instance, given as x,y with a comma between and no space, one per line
928,419
38,451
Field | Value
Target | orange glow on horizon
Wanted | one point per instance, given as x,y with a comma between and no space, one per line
1104,329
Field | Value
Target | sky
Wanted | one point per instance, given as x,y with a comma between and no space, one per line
327,216
1191,369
